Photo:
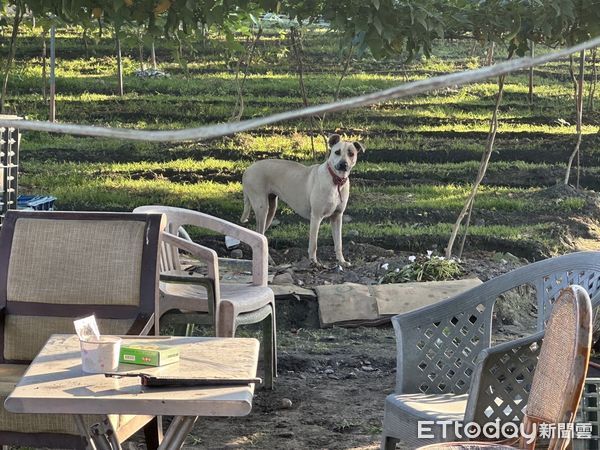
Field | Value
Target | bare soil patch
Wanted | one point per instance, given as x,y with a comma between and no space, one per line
332,382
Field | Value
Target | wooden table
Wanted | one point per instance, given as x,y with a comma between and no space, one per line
54,383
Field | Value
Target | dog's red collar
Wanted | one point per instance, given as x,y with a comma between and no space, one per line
337,180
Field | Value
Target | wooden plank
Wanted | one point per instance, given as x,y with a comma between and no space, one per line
351,304
394,299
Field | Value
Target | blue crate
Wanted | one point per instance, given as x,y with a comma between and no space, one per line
36,202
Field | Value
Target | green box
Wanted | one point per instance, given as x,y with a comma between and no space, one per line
148,354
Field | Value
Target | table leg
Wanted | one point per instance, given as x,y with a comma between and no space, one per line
177,432
104,436
83,431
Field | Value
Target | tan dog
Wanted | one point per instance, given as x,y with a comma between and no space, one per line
314,192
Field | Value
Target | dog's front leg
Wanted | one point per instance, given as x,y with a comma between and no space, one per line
315,224
336,231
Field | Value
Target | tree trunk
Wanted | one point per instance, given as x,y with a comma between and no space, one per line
578,84
238,109
489,60
85,43
336,95
532,55
483,165
52,74
466,233
473,47
11,54
593,82
153,56
119,64
296,46
141,50
179,56
44,68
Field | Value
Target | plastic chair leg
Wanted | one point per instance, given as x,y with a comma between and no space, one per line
267,341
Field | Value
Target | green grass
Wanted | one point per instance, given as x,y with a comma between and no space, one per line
422,152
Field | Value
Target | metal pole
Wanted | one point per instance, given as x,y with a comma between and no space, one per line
178,430
52,74
83,431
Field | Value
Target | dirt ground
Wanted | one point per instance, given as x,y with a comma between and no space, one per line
332,382
329,395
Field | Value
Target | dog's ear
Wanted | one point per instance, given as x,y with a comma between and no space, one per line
358,146
333,139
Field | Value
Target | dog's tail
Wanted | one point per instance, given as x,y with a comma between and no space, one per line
247,208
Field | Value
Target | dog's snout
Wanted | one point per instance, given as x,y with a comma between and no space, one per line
342,165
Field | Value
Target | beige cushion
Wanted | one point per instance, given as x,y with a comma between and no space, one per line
50,261
10,374
24,336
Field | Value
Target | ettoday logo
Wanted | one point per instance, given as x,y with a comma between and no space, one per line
496,430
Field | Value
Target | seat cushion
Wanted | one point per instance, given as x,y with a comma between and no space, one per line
190,297
429,406
24,336
404,413
10,374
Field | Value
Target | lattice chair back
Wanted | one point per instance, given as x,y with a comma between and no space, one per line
437,353
502,381
438,345
548,288
562,365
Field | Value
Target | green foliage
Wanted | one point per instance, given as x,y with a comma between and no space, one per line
425,268
570,204
387,27
422,152
517,23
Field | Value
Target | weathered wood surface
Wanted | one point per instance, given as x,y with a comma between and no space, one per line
55,383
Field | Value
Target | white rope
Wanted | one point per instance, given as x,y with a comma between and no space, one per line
224,129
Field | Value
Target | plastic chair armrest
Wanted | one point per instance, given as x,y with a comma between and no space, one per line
257,242
205,254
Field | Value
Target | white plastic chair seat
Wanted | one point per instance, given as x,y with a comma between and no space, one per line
431,407
246,296
404,411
